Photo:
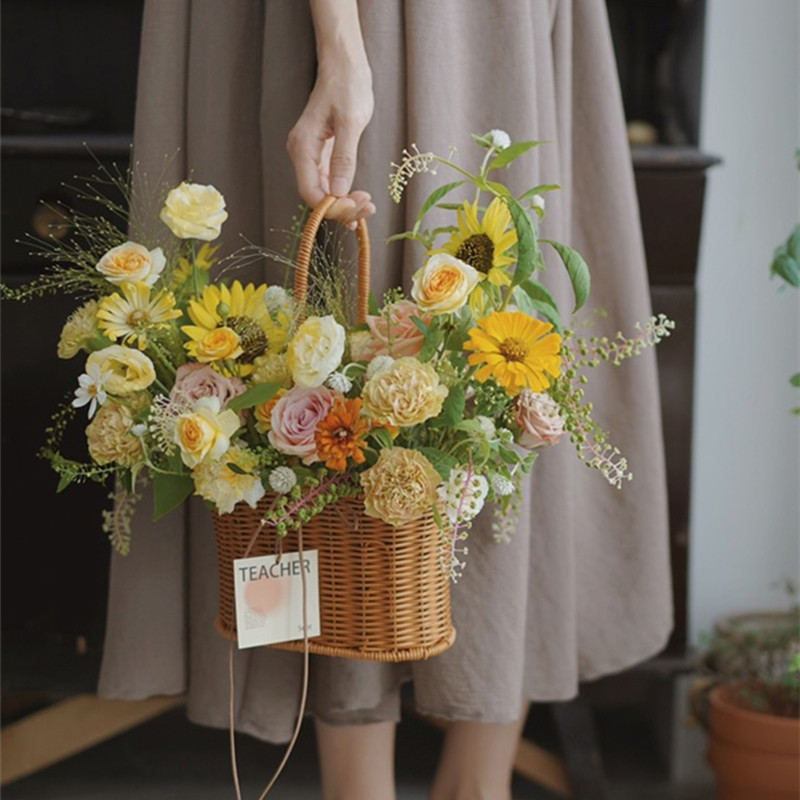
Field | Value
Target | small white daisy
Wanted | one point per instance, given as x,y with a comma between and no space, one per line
90,389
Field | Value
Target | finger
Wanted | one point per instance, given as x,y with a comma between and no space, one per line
306,152
342,167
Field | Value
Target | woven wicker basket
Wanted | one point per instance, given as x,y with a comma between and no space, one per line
383,594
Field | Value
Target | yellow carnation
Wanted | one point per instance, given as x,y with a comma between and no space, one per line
110,439
131,370
79,329
407,393
400,487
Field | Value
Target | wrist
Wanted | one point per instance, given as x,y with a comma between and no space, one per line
337,30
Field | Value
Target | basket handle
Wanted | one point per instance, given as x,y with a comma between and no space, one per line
304,258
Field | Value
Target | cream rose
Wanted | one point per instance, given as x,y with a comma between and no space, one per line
205,431
400,487
194,211
407,393
110,439
316,350
131,370
132,263
444,284
540,423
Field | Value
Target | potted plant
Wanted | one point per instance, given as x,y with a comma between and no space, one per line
747,698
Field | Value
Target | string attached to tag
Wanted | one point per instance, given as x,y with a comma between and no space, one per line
304,689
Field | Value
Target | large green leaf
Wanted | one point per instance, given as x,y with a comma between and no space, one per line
433,199
541,300
452,408
786,267
512,152
527,245
577,270
169,491
254,396
440,461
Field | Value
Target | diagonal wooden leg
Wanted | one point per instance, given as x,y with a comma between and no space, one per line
70,726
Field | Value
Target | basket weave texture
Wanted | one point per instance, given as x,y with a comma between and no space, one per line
383,594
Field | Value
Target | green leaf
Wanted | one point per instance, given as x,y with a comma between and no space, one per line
785,267
373,304
423,328
254,396
440,461
498,189
540,189
543,302
64,481
169,491
527,245
434,197
793,243
795,380
577,270
381,437
452,408
512,152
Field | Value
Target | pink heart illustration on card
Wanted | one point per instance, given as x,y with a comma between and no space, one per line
265,595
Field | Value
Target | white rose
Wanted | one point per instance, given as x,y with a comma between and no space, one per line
131,263
316,350
194,211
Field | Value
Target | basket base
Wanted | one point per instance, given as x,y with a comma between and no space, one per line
361,654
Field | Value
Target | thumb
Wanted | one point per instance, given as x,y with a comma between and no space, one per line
342,167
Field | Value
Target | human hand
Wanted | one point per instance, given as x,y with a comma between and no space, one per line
323,144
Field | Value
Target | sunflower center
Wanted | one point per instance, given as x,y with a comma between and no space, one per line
477,251
252,338
513,349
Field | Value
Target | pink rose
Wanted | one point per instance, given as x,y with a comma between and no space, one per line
538,418
294,420
193,381
398,336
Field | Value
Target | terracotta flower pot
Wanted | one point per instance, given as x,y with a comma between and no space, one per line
755,756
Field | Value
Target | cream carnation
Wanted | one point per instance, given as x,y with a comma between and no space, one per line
316,350
444,284
270,368
130,370
132,263
205,431
407,393
540,423
400,487
79,329
215,481
110,438
194,211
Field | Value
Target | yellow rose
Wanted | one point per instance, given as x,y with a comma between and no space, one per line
400,487
407,393
194,211
110,439
444,284
315,350
217,344
132,263
205,431
131,370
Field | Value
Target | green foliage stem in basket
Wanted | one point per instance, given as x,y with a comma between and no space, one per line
441,399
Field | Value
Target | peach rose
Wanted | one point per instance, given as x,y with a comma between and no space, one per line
132,263
444,284
294,418
394,332
539,420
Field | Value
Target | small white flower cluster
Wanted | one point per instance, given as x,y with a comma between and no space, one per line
277,299
502,486
339,382
463,495
282,480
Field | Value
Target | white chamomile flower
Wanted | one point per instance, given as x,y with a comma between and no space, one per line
487,427
502,486
379,364
499,139
339,382
90,388
282,480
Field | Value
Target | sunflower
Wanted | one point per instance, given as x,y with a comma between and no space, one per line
516,350
243,310
484,243
339,434
131,316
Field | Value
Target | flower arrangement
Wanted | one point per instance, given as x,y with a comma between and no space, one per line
440,399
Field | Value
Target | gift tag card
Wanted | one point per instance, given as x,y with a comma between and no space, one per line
269,598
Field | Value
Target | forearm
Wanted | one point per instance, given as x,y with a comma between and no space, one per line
337,29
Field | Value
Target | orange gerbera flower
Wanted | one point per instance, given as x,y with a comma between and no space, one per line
339,434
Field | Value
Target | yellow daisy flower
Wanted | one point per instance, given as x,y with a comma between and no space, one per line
241,310
516,350
484,243
131,315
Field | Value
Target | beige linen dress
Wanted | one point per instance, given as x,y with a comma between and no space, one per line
583,588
